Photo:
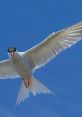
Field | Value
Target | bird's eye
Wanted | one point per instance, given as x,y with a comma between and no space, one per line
13,49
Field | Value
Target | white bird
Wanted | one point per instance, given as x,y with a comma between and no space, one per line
23,64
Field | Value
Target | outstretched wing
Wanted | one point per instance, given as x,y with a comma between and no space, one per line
7,70
53,45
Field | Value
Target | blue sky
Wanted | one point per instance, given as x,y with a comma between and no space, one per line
25,23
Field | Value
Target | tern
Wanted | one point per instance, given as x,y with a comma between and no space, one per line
23,64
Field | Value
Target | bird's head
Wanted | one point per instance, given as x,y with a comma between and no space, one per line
12,52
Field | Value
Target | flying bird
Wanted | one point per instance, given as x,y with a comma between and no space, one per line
23,64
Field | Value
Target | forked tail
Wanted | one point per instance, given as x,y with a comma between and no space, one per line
35,87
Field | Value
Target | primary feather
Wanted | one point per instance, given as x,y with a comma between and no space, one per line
53,45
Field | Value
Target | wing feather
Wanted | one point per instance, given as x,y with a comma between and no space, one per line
7,70
42,53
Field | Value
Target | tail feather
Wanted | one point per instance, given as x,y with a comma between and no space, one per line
35,87
23,93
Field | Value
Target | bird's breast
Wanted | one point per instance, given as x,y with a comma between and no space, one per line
22,68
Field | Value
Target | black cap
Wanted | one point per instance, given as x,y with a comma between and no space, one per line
13,49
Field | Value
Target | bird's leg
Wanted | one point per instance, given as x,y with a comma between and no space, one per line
26,82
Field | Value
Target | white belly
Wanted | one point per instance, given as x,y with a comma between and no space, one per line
22,69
